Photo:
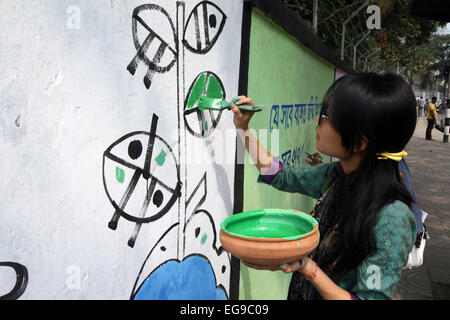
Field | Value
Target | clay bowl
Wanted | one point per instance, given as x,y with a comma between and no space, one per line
268,238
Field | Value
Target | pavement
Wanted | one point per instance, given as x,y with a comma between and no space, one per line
429,163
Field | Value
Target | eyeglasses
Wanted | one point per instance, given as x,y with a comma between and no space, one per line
322,116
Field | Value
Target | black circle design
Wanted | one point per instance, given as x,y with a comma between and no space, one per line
158,198
135,149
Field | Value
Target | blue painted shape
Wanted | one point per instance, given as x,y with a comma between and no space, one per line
192,279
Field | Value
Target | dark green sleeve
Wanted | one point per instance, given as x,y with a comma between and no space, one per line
303,179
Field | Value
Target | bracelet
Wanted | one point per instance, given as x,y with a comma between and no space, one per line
312,275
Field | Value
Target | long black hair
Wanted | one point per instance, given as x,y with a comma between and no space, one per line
381,109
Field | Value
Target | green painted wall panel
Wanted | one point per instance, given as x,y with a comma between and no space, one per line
281,73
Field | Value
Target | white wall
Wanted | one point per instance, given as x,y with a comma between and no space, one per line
65,97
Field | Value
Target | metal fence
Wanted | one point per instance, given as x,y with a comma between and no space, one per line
346,27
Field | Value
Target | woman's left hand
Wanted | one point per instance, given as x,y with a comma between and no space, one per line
305,268
290,267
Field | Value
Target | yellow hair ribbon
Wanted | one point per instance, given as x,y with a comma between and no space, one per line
393,156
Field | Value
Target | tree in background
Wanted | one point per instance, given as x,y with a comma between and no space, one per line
400,39
407,36
437,52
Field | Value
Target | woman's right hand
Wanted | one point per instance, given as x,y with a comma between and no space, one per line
242,118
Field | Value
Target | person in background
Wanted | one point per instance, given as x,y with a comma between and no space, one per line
431,118
421,104
366,225
425,106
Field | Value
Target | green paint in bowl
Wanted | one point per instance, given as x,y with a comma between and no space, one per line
269,223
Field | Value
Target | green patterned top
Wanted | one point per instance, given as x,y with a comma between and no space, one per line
395,233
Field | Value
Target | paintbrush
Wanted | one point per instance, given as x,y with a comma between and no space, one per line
205,103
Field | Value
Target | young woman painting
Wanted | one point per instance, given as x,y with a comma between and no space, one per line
367,228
